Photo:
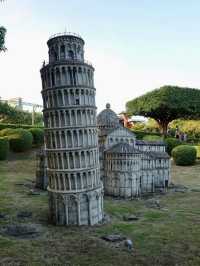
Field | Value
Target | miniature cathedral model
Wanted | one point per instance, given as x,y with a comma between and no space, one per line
71,140
129,167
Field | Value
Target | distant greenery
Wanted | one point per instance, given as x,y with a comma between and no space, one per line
9,114
166,104
152,138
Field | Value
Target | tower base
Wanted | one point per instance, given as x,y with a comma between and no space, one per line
80,208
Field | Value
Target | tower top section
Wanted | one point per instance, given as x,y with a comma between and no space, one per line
66,46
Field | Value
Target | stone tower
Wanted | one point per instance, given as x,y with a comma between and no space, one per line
75,190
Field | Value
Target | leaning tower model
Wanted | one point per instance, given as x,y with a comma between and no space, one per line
75,190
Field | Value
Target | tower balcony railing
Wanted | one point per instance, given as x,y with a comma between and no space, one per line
68,61
65,33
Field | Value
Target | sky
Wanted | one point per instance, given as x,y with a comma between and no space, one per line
134,45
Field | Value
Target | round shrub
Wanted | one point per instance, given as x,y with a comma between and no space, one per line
184,155
7,132
171,144
21,140
38,136
152,138
4,148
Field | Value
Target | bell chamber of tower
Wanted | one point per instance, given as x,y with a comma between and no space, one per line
71,142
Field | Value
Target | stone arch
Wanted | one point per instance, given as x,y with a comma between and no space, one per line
71,54
58,77
60,98
62,52
64,76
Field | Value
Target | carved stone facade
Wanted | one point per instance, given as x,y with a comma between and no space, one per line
129,167
75,188
41,170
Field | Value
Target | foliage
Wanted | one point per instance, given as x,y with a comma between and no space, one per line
198,151
4,148
9,114
151,126
166,104
20,140
184,155
138,126
38,136
7,132
152,138
141,134
171,143
2,39
190,127
6,126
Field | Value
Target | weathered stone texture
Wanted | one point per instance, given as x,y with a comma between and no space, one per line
75,188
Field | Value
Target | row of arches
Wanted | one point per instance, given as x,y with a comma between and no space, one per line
73,160
67,76
66,50
67,97
69,118
156,148
115,140
77,138
73,182
77,209
126,165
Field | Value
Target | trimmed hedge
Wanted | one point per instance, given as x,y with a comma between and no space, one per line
184,155
141,134
7,132
152,138
16,126
4,148
171,143
38,136
20,140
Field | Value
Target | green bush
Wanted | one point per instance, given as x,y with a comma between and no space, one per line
198,151
184,155
171,143
140,134
15,126
4,148
21,140
7,132
152,138
38,136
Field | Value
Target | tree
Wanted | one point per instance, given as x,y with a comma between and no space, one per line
2,36
166,104
9,114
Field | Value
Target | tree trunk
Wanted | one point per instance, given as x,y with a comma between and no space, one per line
163,125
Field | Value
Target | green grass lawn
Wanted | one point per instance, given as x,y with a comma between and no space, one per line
167,236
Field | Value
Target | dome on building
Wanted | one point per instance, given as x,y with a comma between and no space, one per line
107,118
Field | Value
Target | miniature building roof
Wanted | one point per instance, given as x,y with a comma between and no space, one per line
157,155
150,143
122,147
107,118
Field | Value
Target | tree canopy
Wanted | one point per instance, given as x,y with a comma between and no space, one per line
166,104
2,37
